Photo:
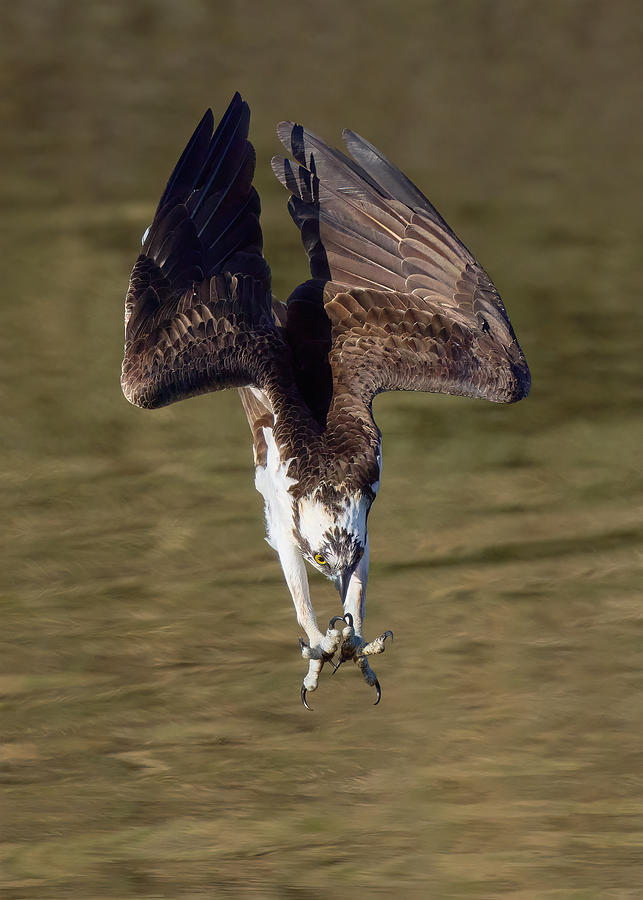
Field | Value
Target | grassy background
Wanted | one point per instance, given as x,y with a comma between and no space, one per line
153,744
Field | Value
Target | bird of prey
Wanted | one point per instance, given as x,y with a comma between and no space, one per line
395,302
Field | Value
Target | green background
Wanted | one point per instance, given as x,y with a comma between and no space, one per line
152,740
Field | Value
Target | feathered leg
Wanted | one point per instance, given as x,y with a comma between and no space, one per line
320,647
353,645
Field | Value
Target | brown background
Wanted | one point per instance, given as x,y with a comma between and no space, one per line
152,741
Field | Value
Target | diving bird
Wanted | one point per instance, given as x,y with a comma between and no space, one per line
395,302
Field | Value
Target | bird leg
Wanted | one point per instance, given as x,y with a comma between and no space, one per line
317,655
320,647
353,644
355,598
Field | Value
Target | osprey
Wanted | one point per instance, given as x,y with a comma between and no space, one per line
395,302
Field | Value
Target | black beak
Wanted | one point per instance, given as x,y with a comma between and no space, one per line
342,582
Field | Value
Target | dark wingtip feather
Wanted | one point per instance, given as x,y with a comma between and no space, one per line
211,185
195,150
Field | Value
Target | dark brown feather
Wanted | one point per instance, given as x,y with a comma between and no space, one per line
198,310
395,302
410,307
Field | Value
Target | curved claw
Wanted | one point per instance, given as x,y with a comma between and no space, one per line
347,619
379,692
303,698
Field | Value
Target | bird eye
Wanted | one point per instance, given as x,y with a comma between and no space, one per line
321,560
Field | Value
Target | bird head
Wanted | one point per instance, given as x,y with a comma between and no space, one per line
331,531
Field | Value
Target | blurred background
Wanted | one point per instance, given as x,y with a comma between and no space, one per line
153,743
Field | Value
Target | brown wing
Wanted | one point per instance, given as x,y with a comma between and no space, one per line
198,310
410,307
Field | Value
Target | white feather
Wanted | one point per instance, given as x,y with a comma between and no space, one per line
315,519
273,483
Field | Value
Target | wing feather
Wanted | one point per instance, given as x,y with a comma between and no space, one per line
383,248
198,309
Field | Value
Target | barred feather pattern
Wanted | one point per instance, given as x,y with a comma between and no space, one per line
409,306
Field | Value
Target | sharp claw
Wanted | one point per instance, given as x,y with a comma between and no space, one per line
348,619
377,688
331,624
336,667
303,698
302,644
388,634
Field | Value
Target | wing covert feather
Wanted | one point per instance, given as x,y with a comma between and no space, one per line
217,335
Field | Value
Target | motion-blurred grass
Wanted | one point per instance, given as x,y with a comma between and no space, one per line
153,744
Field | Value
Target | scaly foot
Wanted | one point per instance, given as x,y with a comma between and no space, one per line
356,648
317,655
350,646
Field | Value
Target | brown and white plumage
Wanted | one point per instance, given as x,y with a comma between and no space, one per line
199,302
395,302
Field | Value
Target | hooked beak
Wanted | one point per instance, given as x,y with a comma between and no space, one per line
341,583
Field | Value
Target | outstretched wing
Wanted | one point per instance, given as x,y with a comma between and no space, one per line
410,307
198,312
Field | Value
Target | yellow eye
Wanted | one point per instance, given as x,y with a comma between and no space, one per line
321,560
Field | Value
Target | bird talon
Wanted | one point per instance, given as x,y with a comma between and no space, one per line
347,645
303,697
347,619
336,667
